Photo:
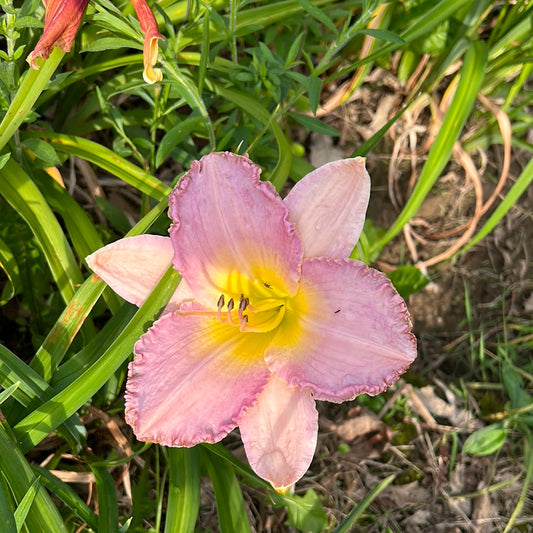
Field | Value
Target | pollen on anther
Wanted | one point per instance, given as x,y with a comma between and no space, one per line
220,303
231,304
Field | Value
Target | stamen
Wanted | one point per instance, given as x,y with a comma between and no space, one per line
244,322
220,305
230,306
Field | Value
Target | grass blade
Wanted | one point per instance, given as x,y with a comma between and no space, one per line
356,513
521,185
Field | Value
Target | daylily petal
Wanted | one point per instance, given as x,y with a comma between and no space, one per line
192,379
350,332
328,207
61,21
133,266
151,36
231,229
279,433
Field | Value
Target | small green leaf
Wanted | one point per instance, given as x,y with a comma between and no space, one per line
314,124
486,441
293,51
314,88
111,43
383,35
318,14
514,385
175,136
407,280
42,151
305,512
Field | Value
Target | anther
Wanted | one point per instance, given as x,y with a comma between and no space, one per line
220,305
229,307
243,302
243,322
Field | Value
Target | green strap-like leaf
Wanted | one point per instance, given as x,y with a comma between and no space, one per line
7,519
183,490
470,80
24,196
63,491
48,416
58,340
21,512
232,516
43,516
31,388
109,161
29,90
107,500
10,267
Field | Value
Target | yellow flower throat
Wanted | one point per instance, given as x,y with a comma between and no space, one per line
253,305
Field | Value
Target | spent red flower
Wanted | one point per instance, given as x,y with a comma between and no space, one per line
271,313
61,22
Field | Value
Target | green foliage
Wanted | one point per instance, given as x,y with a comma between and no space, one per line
407,279
306,512
237,76
486,441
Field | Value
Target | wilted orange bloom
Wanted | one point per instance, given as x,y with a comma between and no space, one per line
61,22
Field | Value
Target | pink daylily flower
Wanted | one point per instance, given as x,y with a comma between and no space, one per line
270,315
61,22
